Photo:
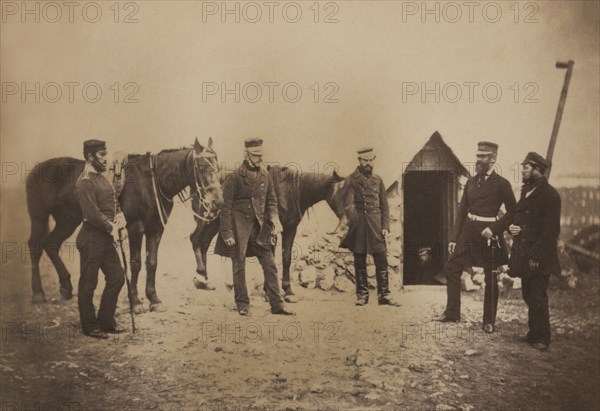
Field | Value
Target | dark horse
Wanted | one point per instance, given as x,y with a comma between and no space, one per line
151,182
296,192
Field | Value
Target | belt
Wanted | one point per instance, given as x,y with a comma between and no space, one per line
474,217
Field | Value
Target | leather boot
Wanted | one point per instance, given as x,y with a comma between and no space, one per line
362,290
383,289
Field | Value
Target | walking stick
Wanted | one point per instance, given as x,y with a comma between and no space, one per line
122,256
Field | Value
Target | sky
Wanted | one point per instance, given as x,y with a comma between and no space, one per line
384,74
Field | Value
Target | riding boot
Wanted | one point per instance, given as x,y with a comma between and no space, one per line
362,290
383,289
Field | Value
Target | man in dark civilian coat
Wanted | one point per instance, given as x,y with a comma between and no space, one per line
248,221
95,242
368,216
534,254
477,238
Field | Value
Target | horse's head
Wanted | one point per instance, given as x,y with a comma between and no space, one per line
335,196
207,184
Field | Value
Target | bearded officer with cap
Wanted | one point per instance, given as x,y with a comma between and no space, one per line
477,238
95,242
367,213
248,221
534,254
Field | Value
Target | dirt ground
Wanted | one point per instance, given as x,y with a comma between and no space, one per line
201,355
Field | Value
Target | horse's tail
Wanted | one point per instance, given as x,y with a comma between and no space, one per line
36,207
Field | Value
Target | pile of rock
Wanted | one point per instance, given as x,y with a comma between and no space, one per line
328,267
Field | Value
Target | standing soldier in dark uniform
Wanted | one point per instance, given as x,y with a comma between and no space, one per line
101,222
477,239
534,255
368,218
249,220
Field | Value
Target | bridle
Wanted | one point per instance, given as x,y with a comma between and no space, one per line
200,191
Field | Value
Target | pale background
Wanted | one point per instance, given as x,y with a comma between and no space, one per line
369,53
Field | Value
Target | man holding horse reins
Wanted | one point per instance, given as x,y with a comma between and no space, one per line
102,221
477,238
367,212
249,221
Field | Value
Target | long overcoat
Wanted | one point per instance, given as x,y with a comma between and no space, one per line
247,198
368,213
538,215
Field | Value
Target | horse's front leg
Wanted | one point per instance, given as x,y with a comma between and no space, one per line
287,243
201,238
152,243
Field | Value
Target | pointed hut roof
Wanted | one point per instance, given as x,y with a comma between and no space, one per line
434,156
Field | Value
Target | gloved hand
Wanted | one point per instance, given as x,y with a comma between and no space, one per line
120,220
277,228
451,247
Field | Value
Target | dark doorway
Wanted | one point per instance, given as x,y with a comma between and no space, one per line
427,211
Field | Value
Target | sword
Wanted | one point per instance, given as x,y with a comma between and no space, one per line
122,257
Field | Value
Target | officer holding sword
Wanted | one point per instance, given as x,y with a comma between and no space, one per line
102,221
477,238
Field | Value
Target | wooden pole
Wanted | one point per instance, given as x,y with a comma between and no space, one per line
559,111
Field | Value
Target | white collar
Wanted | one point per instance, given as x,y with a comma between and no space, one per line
90,169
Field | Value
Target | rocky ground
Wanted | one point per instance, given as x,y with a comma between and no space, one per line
201,355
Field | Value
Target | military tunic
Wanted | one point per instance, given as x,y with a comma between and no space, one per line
95,244
482,197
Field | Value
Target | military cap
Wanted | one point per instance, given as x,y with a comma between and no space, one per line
486,147
93,146
536,160
366,153
254,146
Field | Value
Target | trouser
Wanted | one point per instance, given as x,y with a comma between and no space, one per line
535,294
360,272
454,268
98,252
267,261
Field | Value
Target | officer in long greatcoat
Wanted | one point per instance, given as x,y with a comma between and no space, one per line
477,238
248,221
534,254
367,212
95,242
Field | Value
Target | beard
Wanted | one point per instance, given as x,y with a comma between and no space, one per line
481,168
99,166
